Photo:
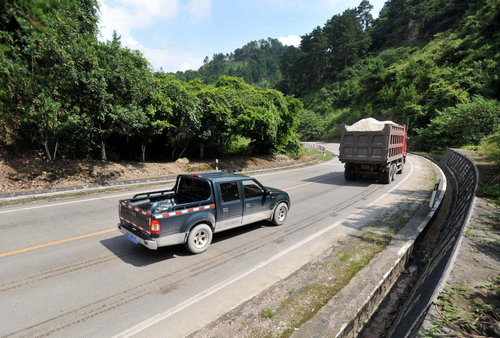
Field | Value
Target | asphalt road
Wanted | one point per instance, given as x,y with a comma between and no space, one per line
66,271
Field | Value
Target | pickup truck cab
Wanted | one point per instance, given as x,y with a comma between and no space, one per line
198,206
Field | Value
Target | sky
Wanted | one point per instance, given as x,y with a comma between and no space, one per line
178,34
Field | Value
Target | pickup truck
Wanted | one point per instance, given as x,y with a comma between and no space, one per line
198,206
373,148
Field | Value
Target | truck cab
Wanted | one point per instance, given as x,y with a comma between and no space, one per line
198,206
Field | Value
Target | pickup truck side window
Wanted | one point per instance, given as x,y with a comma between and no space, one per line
252,189
193,189
229,191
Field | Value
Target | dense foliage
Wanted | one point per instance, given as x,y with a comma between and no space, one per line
66,93
430,64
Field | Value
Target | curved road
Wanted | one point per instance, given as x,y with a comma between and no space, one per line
66,271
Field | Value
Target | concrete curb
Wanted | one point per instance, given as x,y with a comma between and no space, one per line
364,293
29,194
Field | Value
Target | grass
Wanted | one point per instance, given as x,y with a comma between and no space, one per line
341,268
463,311
490,192
316,154
394,221
436,154
267,313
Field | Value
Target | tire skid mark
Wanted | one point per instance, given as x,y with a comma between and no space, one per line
55,272
72,317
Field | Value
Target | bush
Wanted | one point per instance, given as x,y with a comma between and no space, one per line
463,124
490,147
239,145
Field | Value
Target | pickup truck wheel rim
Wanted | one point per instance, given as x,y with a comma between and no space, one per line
281,213
200,239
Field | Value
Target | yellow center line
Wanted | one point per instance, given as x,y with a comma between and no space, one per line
298,186
40,246
10,253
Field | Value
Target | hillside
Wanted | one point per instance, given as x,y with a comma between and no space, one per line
431,64
257,62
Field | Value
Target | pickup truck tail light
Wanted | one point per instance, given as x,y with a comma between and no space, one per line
155,227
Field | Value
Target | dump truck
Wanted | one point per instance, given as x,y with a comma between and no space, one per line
373,148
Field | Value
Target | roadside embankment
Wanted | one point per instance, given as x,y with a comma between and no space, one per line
75,178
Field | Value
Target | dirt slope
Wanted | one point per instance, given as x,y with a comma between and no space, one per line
30,172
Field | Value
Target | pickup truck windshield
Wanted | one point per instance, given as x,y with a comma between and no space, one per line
197,189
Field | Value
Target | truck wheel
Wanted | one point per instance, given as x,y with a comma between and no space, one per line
349,174
394,168
400,171
280,213
384,177
199,238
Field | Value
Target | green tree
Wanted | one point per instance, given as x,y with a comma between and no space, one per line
182,118
347,41
39,65
118,95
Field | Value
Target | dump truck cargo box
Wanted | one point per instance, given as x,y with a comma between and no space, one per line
375,142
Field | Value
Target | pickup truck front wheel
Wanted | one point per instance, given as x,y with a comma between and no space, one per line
280,213
199,238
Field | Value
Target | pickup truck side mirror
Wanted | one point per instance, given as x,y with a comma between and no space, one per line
268,192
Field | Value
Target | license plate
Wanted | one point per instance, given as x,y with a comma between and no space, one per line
132,239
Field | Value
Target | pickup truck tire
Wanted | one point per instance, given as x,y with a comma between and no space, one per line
199,238
280,213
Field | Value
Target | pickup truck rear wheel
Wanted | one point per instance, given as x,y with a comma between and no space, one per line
199,238
280,213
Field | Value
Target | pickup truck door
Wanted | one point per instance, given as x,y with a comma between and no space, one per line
230,212
256,204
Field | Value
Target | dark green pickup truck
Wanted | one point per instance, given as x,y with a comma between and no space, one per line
198,206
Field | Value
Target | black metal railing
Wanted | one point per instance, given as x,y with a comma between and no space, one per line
462,176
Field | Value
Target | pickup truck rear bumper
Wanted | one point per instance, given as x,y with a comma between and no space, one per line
148,243
153,243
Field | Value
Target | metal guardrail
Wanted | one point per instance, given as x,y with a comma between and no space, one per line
313,145
463,178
